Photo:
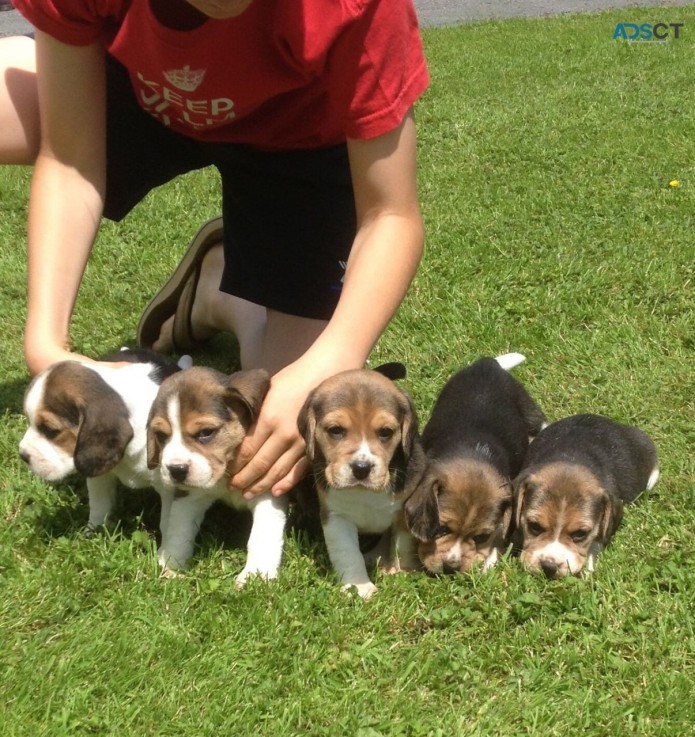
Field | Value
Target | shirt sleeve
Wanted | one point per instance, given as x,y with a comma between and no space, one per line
376,68
75,22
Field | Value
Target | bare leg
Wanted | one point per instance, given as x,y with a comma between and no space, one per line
19,109
286,338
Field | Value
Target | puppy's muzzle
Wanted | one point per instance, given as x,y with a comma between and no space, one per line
178,471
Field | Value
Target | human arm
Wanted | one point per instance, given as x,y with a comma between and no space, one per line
383,260
67,192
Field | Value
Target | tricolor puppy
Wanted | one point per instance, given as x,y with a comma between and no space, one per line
569,495
475,442
91,418
361,438
197,423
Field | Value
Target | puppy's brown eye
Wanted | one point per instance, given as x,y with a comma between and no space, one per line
579,536
384,434
205,435
482,538
442,531
161,436
336,432
535,529
47,431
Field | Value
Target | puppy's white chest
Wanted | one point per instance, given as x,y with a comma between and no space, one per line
370,511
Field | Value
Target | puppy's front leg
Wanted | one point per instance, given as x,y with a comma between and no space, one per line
166,497
592,557
178,538
403,551
264,548
380,554
343,546
102,495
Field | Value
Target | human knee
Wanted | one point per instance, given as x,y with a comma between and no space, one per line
19,110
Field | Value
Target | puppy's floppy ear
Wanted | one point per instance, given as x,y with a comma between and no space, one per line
154,450
409,424
521,486
306,424
104,432
421,511
508,507
245,392
610,518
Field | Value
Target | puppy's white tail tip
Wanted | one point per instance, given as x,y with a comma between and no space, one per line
653,478
509,360
185,362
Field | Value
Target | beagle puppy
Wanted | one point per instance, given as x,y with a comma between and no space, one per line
91,418
475,441
569,496
361,437
197,423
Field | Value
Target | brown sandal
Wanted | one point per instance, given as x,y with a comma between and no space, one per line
177,295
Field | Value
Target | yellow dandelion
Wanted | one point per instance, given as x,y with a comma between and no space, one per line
674,183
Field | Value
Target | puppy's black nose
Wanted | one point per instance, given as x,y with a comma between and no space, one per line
361,469
549,568
178,471
448,568
24,456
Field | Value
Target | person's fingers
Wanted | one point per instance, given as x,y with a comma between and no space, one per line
300,470
249,447
269,465
274,475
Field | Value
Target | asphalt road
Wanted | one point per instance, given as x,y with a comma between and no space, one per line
448,12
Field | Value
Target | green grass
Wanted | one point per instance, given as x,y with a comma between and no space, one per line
545,157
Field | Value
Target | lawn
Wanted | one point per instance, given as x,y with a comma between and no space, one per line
546,154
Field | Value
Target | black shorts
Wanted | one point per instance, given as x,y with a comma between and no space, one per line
289,217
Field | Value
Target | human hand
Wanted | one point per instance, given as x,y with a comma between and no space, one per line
272,454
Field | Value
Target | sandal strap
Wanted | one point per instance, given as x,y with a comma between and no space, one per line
165,303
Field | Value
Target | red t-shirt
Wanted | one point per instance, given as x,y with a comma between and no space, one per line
285,74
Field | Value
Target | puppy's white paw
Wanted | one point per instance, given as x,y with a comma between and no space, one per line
167,562
168,573
393,567
94,528
243,577
364,590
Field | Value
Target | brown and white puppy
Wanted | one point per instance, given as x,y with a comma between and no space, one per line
475,442
569,496
361,437
197,423
90,418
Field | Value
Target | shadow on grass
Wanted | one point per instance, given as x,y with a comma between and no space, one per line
12,395
64,511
